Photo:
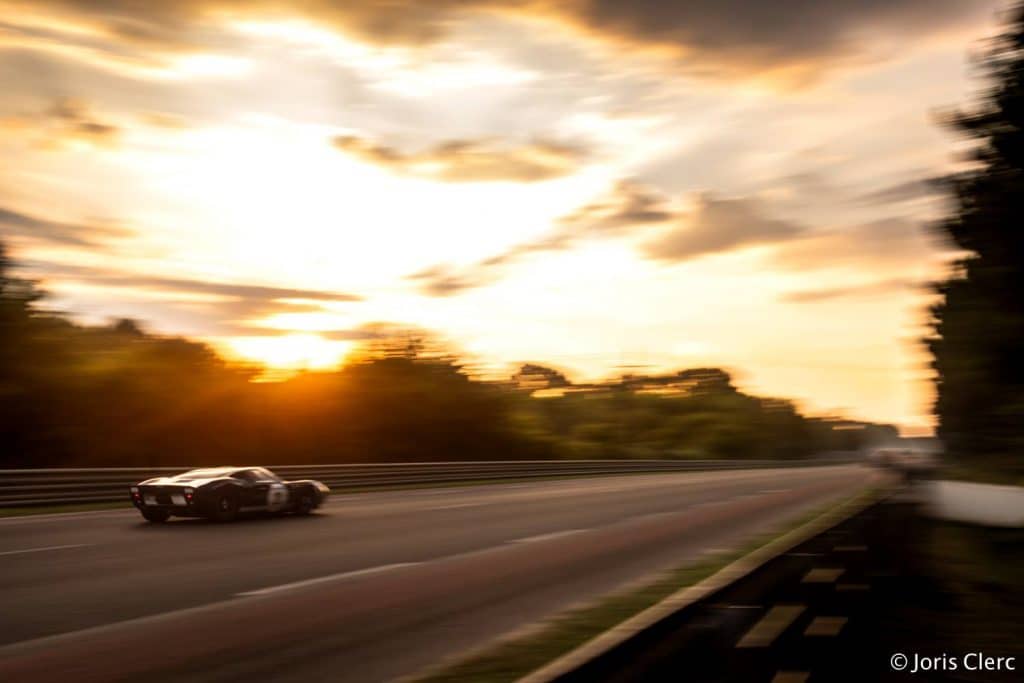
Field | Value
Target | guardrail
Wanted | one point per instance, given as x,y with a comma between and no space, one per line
39,487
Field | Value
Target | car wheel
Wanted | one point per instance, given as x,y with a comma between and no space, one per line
225,508
305,504
156,516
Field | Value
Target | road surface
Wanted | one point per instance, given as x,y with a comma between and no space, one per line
373,587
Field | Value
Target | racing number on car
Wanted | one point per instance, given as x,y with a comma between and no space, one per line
277,497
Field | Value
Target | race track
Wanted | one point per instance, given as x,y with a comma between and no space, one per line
374,586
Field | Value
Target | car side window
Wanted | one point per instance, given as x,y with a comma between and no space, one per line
248,476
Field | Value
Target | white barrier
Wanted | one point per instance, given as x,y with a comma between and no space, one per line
983,504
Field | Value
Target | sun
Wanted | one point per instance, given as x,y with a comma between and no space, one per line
289,353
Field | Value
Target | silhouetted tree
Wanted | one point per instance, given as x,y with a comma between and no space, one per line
979,325
532,376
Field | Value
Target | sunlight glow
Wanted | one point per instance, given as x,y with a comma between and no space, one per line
290,352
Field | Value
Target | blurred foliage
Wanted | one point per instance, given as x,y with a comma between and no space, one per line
76,395
979,325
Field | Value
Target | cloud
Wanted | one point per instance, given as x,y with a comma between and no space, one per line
72,119
225,289
879,288
627,207
709,36
719,225
750,36
903,192
886,243
445,280
221,307
164,120
361,333
714,226
470,160
66,120
56,232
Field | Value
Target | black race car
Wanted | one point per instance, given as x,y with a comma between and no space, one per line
222,493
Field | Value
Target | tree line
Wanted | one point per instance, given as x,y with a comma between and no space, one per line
115,395
978,326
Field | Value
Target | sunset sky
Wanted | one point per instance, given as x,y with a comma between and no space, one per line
589,184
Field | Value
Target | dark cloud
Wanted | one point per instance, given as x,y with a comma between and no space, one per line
712,36
719,225
470,160
72,234
869,289
229,308
763,35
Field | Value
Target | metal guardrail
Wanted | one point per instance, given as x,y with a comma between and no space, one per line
39,487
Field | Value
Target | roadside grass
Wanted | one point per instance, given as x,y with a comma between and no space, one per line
964,593
979,572
515,656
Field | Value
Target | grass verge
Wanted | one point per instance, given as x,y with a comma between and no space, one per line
513,657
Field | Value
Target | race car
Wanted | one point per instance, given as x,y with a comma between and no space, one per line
223,493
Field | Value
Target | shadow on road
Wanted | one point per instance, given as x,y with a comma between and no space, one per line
254,521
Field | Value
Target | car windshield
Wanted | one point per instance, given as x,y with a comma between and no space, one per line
267,475
255,474
202,474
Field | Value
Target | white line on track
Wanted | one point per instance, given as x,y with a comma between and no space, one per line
548,537
369,571
455,506
49,547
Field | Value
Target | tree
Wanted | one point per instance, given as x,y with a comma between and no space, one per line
979,325
532,376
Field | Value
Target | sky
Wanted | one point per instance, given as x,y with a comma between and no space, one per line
596,185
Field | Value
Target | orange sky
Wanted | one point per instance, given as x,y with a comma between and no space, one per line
589,184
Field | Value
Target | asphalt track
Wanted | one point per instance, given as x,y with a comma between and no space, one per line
373,587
